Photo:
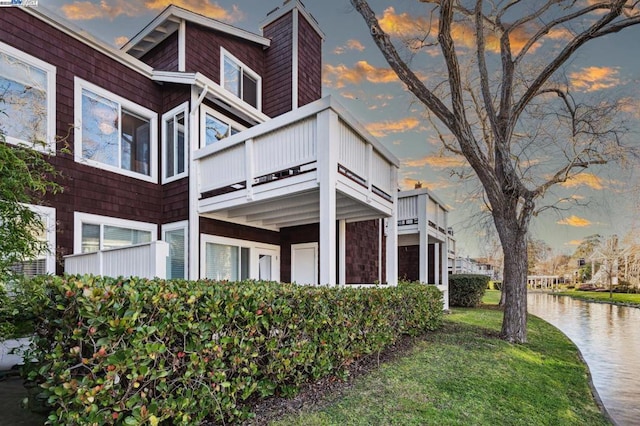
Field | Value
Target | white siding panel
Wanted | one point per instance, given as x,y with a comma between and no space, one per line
223,169
353,151
382,170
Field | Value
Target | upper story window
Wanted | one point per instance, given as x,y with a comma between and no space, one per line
174,144
27,99
241,80
114,133
216,126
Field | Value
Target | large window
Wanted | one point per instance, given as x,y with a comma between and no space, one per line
174,144
240,80
229,259
175,234
216,126
114,133
27,90
93,233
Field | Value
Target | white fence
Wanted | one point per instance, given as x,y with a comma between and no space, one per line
147,260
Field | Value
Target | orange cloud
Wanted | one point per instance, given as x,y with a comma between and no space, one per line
410,183
340,75
407,26
575,221
384,128
590,79
350,45
437,162
588,179
110,9
120,41
573,243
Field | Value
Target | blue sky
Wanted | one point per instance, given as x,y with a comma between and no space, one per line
357,74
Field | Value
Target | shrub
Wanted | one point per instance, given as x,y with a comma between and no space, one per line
137,351
466,290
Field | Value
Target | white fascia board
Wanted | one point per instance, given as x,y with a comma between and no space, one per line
283,10
84,37
180,13
199,80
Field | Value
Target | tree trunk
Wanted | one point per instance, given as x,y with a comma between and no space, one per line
514,285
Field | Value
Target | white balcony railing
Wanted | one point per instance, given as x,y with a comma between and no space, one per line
296,145
147,260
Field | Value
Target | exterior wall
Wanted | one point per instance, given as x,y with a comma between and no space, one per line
309,63
409,263
277,88
203,52
362,252
164,57
295,235
87,189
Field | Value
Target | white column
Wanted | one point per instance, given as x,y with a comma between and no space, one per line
436,263
193,257
445,274
392,233
328,137
342,250
423,224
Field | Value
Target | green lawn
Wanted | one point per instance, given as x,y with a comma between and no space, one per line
626,298
463,374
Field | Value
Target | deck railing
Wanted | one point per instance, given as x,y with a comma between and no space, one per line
147,260
288,146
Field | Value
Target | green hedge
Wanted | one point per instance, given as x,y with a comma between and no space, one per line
466,290
133,351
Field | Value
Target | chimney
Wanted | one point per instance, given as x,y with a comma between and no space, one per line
293,62
418,185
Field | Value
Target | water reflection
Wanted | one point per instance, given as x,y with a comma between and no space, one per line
609,338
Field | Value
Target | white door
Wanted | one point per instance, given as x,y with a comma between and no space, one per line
304,263
268,267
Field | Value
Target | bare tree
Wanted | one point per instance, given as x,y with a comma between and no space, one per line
510,116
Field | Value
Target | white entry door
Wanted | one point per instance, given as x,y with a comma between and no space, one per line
304,263
268,266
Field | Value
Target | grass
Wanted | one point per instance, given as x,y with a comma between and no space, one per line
463,374
618,298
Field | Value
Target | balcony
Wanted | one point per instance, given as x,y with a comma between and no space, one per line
272,175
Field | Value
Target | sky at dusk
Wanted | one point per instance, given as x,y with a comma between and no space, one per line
356,73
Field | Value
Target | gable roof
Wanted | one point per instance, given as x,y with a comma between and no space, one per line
168,22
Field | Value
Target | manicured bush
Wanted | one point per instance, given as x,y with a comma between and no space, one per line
466,290
134,351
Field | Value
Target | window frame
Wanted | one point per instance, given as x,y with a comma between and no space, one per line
207,110
48,215
184,109
131,107
80,218
224,53
49,146
253,246
176,226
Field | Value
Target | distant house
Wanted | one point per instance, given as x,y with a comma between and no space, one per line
424,239
199,150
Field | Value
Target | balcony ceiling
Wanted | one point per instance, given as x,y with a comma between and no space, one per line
299,209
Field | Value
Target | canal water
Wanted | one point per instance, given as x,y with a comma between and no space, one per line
609,338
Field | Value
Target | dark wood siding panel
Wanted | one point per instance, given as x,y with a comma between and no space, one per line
309,63
409,263
86,189
175,201
232,230
277,90
164,57
362,245
203,51
295,235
